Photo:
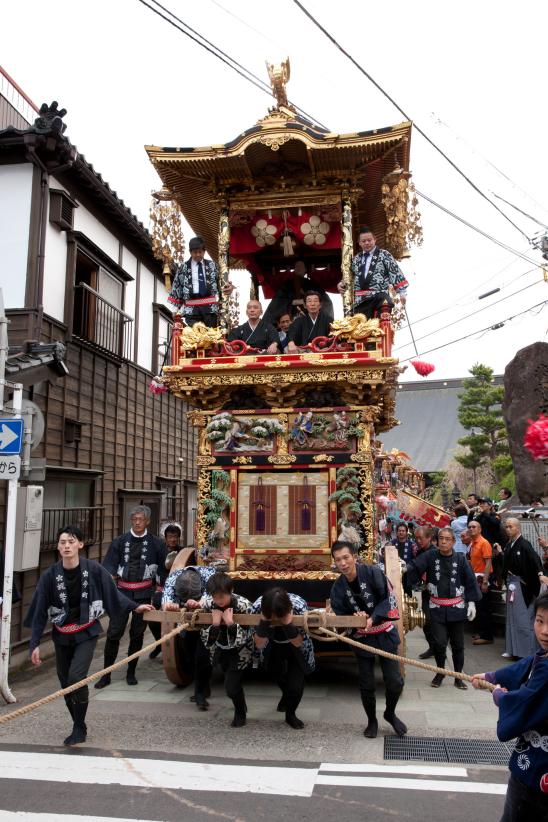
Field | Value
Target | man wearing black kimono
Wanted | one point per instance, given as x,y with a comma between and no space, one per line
363,590
133,560
453,592
315,323
74,593
256,332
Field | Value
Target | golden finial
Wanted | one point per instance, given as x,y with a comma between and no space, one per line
279,76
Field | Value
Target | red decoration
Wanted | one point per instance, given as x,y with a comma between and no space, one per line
158,387
422,368
536,438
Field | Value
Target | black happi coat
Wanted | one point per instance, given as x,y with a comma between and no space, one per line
376,599
460,583
50,601
383,272
153,556
521,560
181,290
261,337
302,331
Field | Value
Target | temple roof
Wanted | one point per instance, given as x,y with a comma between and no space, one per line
284,160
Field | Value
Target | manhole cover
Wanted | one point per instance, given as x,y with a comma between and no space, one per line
434,749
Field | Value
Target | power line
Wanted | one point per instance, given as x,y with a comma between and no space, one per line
407,117
225,58
475,228
462,319
521,211
479,331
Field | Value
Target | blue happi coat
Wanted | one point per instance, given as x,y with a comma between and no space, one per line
523,712
50,601
306,649
153,556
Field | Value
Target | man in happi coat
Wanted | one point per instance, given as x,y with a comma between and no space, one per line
186,588
286,651
133,560
375,271
74,594
364,590
256,332
230,644
523,574
195,289
453,591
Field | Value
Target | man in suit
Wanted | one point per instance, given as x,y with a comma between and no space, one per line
374,270
195,289
315,323
256,332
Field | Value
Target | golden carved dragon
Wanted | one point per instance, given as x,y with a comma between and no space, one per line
200,336
355,328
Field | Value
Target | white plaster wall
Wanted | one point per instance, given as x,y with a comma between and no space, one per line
55,271
162,294
15,201
97,233
146,298
129,262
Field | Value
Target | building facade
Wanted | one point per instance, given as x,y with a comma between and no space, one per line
76,267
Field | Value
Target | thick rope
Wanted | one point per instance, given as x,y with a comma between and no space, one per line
403,659
97,675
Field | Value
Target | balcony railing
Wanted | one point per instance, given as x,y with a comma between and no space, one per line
101,324
89,520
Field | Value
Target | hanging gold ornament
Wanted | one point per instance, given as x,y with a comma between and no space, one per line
400,203
168,243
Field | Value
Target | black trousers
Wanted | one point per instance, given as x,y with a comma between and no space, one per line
391,674
73,662
229,660
427,619
524,804
115,632
483,624
196,660
284,666
444,633
372,305
202,314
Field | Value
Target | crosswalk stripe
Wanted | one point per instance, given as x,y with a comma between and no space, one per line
411,770
156,773
445,786
26,816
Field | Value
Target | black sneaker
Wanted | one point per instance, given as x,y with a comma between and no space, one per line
427,654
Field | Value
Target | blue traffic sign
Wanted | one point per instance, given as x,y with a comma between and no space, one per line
11,436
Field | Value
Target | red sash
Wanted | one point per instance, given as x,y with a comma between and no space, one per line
364,292
135,586
74,627
376,629
202,301
446,603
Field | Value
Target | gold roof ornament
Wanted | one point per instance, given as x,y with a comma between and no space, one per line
279,77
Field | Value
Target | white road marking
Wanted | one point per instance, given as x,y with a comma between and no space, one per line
25,816
411,770
157,773
444,786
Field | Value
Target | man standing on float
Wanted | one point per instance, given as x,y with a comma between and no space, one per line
195,290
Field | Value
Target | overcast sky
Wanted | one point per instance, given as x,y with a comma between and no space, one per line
472,75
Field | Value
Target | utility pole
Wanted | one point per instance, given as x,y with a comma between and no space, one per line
10,466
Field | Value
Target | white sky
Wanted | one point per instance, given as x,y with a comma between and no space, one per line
128,79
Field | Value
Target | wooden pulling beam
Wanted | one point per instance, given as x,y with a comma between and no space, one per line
313,619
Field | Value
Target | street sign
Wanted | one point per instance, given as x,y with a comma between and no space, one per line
11,436
10,468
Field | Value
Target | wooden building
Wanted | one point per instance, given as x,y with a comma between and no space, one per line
77,268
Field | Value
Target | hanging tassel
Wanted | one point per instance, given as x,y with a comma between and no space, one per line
288,246
260,519
423,368
167,276
306,519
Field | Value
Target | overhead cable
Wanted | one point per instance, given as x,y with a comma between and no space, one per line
407,116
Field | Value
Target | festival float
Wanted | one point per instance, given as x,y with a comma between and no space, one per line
285,456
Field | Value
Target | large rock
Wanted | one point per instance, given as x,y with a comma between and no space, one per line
525,397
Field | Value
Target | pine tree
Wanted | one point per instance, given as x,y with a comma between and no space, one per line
480,412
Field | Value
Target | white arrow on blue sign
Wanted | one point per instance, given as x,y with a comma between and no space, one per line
11,436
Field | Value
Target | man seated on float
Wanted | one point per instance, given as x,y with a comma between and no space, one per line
374,271
256,332
315,323
229,644
282,324
195,289
185,588
290,296
287,652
